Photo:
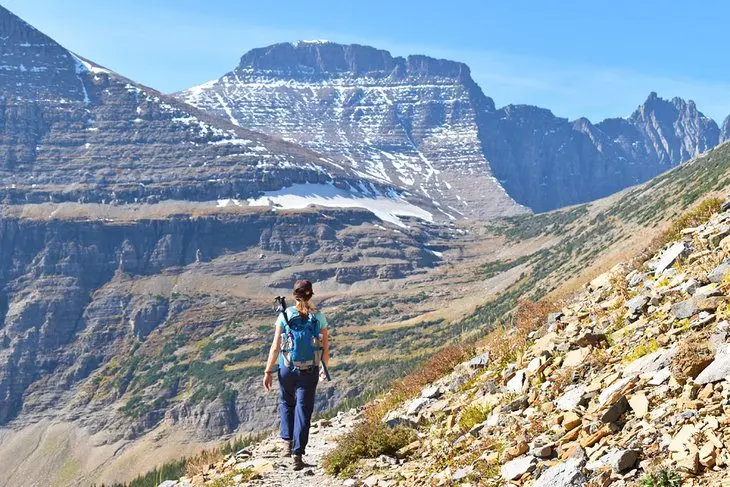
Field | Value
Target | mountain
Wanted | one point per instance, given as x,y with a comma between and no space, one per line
426,124
71,130
404,121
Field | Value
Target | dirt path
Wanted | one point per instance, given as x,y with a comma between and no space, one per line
278,471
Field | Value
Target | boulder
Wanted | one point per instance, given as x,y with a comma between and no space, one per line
668,257
684,309
718,273
566,474
518,467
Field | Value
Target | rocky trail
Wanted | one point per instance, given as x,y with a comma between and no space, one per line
263,466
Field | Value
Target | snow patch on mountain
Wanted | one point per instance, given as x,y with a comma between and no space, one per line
388,207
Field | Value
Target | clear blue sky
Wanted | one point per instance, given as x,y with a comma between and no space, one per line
596,59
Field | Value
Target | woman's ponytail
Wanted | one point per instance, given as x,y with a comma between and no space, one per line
305,307
302,293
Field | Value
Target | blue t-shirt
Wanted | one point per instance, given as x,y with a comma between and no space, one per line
291,312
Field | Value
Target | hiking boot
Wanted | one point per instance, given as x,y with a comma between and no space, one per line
298,462
284,447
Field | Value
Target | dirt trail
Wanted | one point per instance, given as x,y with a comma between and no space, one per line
278,471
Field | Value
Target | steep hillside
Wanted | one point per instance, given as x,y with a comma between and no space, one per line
424,123
626,385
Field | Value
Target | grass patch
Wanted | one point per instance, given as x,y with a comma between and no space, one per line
472,416
370,439
642,349
693,217
662,478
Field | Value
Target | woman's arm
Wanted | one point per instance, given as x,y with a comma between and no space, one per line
273,357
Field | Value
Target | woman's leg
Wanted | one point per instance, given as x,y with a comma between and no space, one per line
287,402
306,388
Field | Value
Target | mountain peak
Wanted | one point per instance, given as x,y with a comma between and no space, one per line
35,66
322,58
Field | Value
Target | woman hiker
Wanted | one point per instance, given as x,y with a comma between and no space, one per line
298,349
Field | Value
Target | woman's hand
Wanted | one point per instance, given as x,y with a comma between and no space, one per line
268,379
322,374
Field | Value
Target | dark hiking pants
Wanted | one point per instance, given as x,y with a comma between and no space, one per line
296,405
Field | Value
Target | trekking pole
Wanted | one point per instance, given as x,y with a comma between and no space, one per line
281,300
324,365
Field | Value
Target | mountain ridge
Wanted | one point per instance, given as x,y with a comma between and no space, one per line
541,160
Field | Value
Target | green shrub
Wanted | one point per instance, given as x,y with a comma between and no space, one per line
472,416
369,439
642,349
662,478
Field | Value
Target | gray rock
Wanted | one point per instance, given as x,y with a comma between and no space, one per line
516,468
668,257
650,363
622,460
707,291
637,279
566,474
417,405
480,361
518,383
462,473
433,392
660,377
637,304
718,273
516,405
609,391
718,369
542,451
571,398
614,412
168,483
619,460
684,309
719,337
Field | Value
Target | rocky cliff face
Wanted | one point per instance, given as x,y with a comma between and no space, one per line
424,123
94,314
410,121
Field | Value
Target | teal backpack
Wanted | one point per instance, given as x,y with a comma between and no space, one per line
300,344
